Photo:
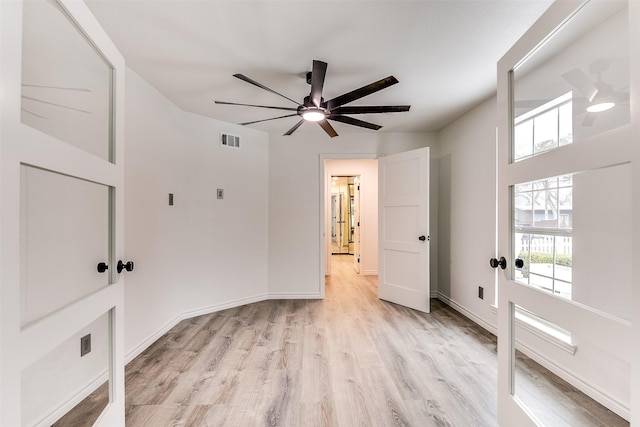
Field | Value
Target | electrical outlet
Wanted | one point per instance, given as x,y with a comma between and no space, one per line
480,292
85,345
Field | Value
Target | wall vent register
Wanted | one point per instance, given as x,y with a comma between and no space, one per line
227,140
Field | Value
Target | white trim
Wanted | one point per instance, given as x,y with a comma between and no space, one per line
369,272
466,313
146,343
578,382
294,295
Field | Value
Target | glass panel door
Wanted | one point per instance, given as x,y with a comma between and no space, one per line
62,199
565,207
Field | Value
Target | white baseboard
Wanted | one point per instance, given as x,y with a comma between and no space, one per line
146,343
293,295
467,313
73,400
575,380
578,382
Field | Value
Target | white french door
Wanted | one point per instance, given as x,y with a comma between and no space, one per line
403,223
61,208
567,189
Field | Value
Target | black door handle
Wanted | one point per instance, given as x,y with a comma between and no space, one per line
519,263
422,238
102,267
495,263
125,266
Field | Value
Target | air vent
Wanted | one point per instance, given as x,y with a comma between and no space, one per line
228,140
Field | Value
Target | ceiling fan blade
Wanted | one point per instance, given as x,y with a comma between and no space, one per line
259,106
581,81
361,92
356,122
266,120
33,114
371,109
293,129
78,89
54,104
324,124
317,81
588,120
261,86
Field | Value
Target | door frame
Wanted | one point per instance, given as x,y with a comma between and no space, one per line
325,201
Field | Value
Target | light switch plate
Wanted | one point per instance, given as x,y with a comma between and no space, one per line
220,193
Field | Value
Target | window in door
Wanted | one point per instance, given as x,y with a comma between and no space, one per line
543,217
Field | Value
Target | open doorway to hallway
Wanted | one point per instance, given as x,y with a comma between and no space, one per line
350,213
345,220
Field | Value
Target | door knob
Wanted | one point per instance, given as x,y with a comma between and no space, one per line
125,266
502,263
519,263
422,238
102,267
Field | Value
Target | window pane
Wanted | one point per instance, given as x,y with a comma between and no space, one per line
565,125
523,142
558,85
545,131
62,247
66,84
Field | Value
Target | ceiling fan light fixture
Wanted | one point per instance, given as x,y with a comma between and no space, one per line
600,107
313,115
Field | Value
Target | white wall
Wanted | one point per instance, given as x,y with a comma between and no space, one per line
466,210
367,169
201,254
294,201
466,213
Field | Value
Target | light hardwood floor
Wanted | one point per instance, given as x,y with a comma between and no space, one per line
347,360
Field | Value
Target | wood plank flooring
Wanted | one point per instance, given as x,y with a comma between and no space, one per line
348,360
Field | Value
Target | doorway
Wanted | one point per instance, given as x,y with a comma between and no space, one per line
343,214
349,212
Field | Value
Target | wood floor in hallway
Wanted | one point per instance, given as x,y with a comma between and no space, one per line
348,360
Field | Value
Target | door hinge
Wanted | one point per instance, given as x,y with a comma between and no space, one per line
428,238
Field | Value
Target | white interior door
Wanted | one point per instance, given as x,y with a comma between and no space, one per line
403,188
566,189
61,204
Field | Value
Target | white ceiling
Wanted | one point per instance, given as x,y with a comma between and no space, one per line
443,52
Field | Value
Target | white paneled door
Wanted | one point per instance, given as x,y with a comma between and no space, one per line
61,209
567,141
403,187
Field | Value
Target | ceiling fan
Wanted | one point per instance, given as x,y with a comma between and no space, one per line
315,109
598,95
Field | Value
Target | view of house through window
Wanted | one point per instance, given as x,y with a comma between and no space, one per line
543,209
